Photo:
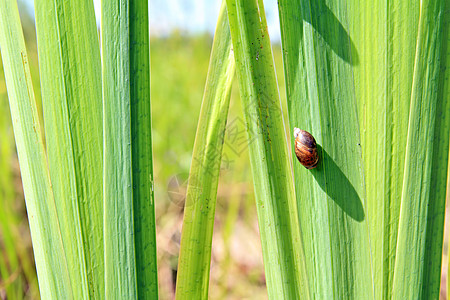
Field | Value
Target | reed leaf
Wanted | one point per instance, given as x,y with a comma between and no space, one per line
69,61
269,155
198,223
318,59
142,152
129,215
120,262
420,237
48,246
385,37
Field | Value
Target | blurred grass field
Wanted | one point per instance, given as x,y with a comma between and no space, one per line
179,65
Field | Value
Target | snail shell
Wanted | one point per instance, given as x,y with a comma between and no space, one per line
305,148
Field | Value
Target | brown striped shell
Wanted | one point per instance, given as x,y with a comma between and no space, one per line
305,148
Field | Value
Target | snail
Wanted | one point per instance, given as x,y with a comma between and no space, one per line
305,148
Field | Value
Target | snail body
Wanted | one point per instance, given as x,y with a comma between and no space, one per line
305,148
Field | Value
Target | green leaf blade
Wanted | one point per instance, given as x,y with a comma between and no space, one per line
385,36
120,262
419,248
42,215
269,156
71,92
198,223
142,155
318,55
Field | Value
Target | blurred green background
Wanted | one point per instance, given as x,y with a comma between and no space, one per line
179,64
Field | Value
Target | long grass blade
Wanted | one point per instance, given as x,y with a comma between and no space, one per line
198,223
384,33
318,56
141,143
48,246
69,60
269,155
419,247
130,260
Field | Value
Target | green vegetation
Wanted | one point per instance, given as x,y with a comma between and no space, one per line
83,220
362,67
331,197
181,64
269,155
198,222
71,116
370,81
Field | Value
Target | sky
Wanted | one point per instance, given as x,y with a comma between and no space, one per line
192,16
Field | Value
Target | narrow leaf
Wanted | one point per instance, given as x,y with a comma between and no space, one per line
69,60
198,223
141,143
419,247
48,247
318,55
269,155
120,263
385,34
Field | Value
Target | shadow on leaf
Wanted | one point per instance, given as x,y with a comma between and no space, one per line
337,186
331,30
